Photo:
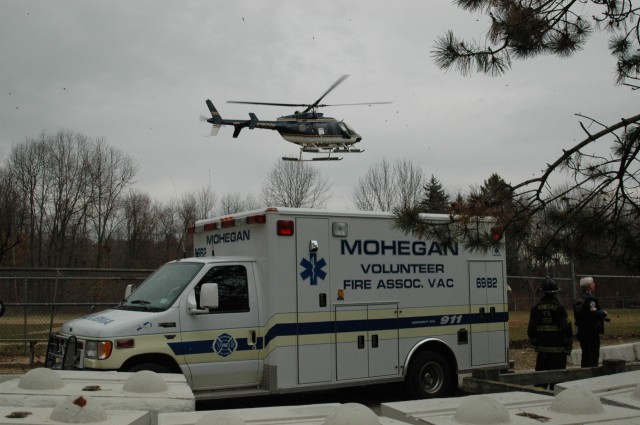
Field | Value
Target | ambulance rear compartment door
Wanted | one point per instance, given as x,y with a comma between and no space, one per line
315,328
366,341
488,315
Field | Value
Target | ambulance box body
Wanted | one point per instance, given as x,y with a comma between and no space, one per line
283,300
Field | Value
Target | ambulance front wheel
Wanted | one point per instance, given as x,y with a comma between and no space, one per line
430,376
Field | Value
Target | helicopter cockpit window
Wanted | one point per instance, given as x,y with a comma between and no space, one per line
233,288
343,129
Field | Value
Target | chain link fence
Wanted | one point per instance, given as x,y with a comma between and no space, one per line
38,301
619,295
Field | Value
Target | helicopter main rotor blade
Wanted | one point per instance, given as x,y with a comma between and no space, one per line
268,103
353,104
333,86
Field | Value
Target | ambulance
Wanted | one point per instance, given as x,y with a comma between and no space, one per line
283,300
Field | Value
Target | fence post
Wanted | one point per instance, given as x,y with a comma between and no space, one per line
53,301
24,309
574,284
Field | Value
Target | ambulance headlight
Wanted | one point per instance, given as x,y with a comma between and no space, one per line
100,350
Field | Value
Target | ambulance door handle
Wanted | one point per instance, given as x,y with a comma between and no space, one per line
360,342
253,337
481,311
374,341
313,246
492,312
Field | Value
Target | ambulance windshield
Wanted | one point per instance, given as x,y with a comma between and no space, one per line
160,290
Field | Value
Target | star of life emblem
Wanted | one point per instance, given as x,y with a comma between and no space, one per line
313,269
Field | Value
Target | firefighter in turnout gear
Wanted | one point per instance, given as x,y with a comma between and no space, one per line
590,320
549,329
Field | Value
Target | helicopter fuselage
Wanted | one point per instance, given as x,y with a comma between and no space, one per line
306,129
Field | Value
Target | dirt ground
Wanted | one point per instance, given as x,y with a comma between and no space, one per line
12,363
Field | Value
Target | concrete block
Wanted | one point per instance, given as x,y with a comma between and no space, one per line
42,415
622,351
417,411
302,414
619,383
629,399
313,414
626,352
573,406
110,393
92,376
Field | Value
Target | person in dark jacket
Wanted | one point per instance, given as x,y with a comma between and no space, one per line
590,320
549,329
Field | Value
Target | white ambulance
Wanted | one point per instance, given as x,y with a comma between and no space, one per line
282,300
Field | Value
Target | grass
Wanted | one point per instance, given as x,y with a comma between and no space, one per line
37,326
624,323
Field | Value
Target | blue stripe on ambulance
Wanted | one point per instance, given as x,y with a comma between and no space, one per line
343,326
206,346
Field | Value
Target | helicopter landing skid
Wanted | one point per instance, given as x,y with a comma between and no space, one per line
322,158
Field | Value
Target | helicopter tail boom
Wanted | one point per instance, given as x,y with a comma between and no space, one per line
217,121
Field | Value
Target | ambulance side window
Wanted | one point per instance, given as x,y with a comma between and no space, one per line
233,288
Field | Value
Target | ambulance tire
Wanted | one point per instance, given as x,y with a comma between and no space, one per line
154,367
430,376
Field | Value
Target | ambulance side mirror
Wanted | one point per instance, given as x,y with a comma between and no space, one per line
209,296
208,299
129,290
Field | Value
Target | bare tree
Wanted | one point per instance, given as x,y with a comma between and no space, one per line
110,172
386,186
295,184
169,233
11,213
410,181
187,212
67,170
140,222
27,163
235,202
205,202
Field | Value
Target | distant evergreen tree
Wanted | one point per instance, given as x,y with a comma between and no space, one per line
436,199
495,192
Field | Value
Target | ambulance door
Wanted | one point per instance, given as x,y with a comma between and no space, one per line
488,318
315,329
366,340
383,339
222,347
352,342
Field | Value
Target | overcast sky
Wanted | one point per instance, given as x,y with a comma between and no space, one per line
137,73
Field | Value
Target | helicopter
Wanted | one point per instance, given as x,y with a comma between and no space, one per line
309,129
